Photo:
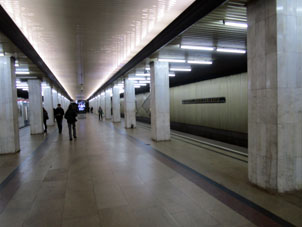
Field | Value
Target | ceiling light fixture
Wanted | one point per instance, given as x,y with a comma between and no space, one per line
22,73
189,47
200,62
172,60
142,74
236,24
171,74
181,69
231,50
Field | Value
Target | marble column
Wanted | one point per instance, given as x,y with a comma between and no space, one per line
103,102
275,94
54,98
60,100
129,104
48,105
35,106
9,129
108,104
116,105
160,101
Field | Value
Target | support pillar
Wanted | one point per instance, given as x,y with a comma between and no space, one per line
160,101
108,104
129,104
275,95
116,105
103,102
48,105
9,130
35,106
55,98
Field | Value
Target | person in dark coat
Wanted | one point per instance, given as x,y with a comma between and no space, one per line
100,113
59,113
45,118
91,109
70,116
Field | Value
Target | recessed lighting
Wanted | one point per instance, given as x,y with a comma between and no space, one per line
235,24
200,62
22,73
230,50
189,47
142,74
172,60
181,69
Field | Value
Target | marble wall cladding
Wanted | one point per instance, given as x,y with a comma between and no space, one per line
160,101
116,105
107,104
35,106
103,102
275,95
9,129
129,104
54,98
48,104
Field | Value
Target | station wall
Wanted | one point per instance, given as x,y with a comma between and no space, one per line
221,121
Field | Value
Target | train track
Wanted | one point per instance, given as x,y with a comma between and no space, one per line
226,151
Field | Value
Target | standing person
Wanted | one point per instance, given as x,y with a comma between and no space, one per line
45,118
100,113
70,116
59,113
91,110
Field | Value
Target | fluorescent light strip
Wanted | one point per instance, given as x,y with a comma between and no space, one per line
188,47
142,74
148,68
181,69
230,50
200,62
144,82
140,84
236,24
172,60
22,73
138,78
171,74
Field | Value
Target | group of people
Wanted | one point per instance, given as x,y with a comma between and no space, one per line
70,116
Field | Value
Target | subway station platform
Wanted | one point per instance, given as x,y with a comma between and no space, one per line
110,176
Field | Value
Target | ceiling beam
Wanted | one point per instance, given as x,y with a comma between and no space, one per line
198,10
11,30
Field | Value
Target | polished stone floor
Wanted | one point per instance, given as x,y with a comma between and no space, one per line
110,176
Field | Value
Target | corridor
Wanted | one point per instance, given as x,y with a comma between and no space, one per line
110,177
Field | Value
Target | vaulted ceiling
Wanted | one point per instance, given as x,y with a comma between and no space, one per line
85,42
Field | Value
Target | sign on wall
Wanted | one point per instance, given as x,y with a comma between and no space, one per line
205,100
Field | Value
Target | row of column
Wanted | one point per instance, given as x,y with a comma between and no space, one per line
160,102
9,130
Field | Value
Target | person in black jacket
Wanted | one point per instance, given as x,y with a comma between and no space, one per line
59,113
45,118
70,116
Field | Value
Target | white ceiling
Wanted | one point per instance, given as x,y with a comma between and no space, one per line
86,42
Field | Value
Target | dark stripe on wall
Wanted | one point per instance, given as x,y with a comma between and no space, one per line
12,182
248,209
191,15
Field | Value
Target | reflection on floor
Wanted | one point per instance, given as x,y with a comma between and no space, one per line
109,176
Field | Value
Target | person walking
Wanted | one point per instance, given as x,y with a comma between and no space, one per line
45,118
59,113
100,113
70,116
